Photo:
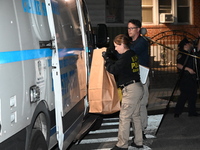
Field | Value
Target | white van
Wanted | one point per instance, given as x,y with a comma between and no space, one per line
44,67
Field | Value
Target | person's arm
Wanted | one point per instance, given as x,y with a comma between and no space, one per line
114,67
180,66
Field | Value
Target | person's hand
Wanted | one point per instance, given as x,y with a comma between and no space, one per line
111,53
105,55
191,71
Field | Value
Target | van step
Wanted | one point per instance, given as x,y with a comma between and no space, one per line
91,122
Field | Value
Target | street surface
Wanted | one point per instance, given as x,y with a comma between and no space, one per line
106,137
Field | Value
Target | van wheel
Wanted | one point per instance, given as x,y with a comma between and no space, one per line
37,141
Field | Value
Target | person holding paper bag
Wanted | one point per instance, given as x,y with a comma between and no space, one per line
140,46
126,70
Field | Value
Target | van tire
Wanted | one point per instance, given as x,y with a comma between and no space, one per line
37,141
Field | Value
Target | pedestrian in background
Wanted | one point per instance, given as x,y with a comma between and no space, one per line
140,46
188,79
126,69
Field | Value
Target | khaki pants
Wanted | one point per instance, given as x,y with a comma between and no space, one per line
130,111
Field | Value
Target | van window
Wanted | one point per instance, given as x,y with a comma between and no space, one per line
68,26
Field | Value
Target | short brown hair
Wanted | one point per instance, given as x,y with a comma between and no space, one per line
122,39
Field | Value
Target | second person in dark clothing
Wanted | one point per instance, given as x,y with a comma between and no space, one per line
188,79
140,46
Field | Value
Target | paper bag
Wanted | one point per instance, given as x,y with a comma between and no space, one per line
103,92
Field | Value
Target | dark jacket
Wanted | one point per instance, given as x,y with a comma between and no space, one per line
140,46
125,69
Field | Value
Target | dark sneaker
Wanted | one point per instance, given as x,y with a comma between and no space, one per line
119,148
137,146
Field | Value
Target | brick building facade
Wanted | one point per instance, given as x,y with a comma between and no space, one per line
193,28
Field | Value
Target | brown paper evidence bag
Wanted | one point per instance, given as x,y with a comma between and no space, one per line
103,92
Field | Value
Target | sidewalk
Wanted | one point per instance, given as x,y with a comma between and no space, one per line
181,133
158,98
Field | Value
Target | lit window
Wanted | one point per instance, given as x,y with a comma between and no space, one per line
147,11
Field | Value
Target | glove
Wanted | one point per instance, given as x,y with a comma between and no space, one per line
105,55
112,53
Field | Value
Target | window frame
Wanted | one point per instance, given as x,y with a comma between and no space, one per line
156,20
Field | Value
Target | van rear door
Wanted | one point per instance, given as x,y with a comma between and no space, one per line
69,67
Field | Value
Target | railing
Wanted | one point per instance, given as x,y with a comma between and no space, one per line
163,52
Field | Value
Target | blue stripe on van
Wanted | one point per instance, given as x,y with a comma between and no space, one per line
15,56
53,130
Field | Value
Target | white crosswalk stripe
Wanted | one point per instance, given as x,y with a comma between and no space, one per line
100,140
103,131
110,125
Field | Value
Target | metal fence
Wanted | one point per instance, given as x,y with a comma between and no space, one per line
163,52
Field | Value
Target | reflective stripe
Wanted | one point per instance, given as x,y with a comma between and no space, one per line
15,56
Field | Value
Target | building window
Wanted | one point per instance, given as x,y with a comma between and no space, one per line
114,11
165,6
183,11
153,10
147,11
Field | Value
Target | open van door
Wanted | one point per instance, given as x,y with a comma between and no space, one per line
70,66
56,76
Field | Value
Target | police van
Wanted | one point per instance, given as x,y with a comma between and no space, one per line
45,49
